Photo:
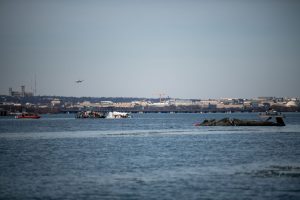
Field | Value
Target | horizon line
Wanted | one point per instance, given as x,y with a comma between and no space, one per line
131,97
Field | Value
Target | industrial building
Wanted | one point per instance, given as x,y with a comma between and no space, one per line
21,93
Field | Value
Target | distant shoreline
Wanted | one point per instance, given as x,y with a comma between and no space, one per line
60,104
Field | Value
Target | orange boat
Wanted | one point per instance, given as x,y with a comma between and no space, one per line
28,116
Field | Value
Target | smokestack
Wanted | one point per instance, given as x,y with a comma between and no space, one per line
10,91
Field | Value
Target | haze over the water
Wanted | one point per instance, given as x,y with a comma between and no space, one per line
186,49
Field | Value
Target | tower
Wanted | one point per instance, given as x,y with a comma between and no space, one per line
23,91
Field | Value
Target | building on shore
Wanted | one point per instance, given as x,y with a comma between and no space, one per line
21,93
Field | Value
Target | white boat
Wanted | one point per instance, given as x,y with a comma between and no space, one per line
117,115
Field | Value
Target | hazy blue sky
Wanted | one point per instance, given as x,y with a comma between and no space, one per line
186,49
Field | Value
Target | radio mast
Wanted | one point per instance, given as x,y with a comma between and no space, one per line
34,84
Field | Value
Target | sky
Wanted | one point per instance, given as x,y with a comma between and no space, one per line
139,48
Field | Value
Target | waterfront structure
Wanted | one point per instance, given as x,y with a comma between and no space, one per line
292,104
55,102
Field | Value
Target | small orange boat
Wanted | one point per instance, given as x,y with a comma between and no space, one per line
28,116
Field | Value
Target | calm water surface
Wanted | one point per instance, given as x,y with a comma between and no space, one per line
150,156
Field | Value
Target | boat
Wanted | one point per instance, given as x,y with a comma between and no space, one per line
239,122
90,114
107,115
117,115
271,113
28,116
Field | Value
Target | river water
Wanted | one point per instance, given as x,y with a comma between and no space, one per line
148,156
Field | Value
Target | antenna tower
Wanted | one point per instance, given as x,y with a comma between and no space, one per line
35,84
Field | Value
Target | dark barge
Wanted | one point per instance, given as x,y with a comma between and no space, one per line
239,122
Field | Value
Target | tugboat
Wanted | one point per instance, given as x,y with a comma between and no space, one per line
27,116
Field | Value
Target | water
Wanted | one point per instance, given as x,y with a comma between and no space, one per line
150,156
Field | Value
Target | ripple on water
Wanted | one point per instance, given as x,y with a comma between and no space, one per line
275,171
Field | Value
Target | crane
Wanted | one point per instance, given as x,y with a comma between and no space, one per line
161,95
